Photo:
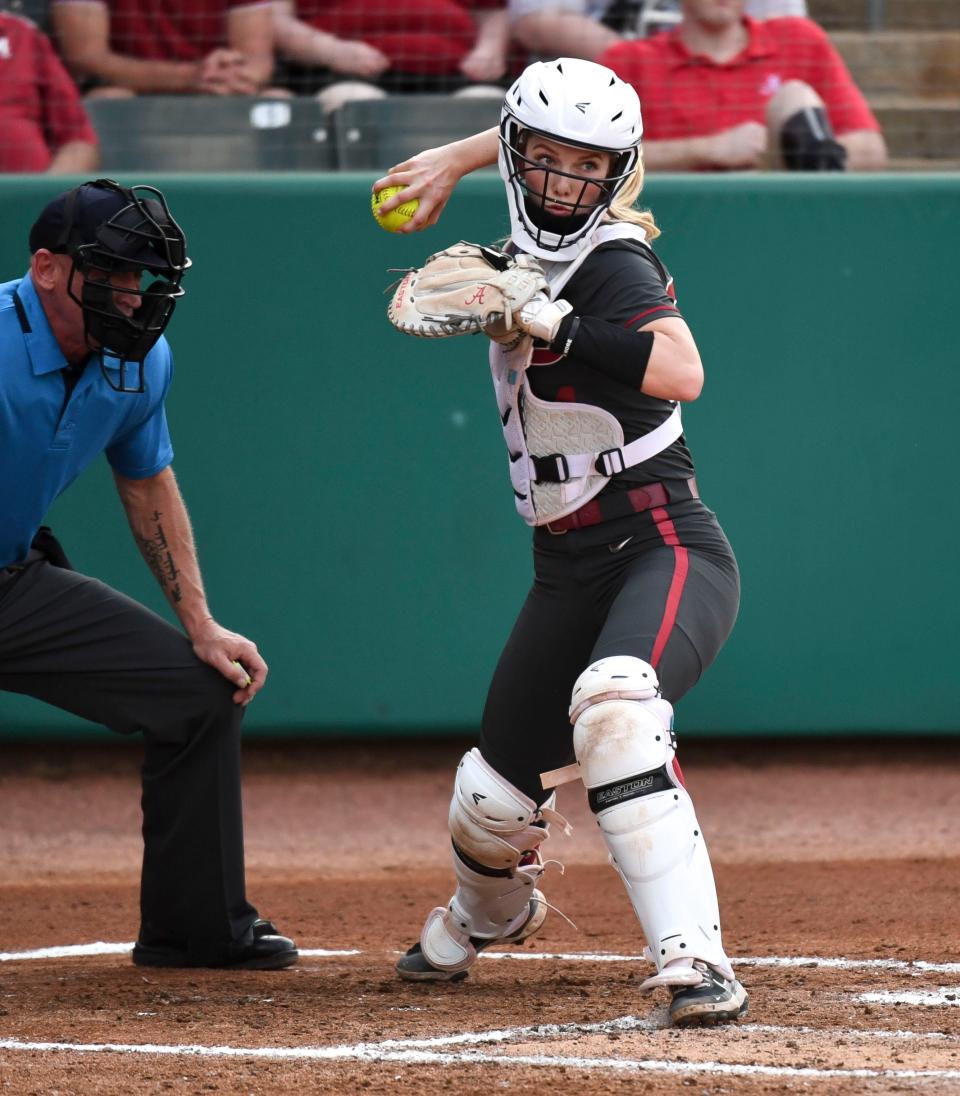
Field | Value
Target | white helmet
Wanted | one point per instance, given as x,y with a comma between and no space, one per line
573,102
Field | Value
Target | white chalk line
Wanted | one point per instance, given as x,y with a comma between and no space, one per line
849,1033
66,951
424,1051
918,966
404,1052
945,997
77,951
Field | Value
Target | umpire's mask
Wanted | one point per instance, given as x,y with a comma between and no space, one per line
108,229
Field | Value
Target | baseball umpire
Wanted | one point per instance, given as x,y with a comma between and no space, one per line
85,370
636,587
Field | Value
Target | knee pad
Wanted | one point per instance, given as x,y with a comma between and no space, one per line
808,144
623,739
496,833
492,823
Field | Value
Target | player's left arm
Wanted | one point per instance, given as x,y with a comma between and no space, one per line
161,527
674,369
624,322
660,358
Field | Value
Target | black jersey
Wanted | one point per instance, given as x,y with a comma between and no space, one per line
624,283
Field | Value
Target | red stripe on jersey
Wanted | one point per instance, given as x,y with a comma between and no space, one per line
681,565
566,394
650,311
544,356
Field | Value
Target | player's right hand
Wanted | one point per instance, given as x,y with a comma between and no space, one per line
430,177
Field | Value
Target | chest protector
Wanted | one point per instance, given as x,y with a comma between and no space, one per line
562,454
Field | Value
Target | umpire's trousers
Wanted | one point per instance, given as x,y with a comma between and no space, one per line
78,644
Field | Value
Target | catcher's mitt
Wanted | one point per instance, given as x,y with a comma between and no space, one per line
462,289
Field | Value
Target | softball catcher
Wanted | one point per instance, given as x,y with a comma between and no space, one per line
635,589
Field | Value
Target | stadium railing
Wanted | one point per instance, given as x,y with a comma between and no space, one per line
205,133
372,134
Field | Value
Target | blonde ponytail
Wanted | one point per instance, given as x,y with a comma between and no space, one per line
622,207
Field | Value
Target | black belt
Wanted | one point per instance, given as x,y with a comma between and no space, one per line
606,507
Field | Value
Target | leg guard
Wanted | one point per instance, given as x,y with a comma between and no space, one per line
497,832
624,742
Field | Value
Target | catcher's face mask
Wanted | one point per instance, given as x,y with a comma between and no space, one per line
591,118
563,184
129,258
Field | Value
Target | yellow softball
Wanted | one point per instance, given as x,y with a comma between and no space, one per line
396,218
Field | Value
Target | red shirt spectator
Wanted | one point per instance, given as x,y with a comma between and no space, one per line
222,47
683,94
40,107
431,37
174,30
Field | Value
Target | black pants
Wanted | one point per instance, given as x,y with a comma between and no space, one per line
83,647
669,595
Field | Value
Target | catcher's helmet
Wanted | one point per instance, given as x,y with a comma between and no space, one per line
106,228
573,102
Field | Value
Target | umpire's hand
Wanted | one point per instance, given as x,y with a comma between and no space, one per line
235,656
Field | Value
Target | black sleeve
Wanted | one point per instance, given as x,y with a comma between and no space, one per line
624,283
621,288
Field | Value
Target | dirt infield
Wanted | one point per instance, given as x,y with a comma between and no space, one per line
839,876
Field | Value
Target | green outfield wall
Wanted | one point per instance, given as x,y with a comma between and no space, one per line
349,488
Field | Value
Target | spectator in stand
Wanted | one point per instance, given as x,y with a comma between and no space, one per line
43,126
403,46
120,48
724,92
585,28
565,28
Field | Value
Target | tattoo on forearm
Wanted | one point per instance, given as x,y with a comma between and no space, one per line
156,551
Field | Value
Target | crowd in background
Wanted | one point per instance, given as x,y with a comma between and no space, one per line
694,64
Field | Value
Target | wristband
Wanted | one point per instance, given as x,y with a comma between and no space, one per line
566,333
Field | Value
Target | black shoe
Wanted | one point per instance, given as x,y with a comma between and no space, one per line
716,1000
414,966
267,951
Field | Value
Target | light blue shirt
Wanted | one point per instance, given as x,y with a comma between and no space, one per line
44,446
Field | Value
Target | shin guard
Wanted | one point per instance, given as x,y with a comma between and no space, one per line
496,832
624,743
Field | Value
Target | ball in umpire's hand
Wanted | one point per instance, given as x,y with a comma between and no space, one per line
249,680
396,218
